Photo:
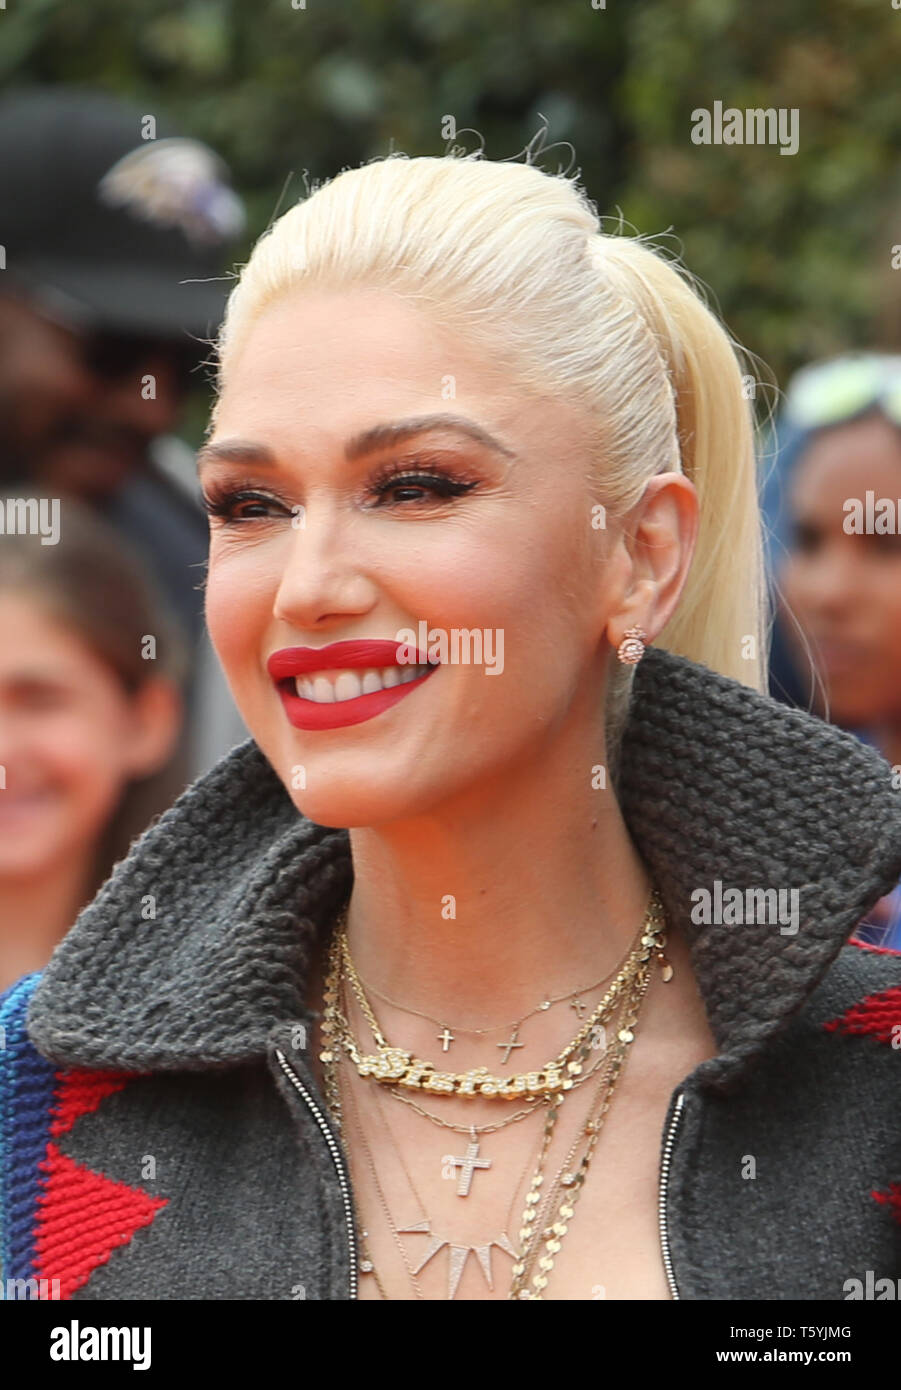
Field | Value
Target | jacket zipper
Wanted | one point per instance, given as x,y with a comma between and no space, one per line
337,1159
345,1186
664,1180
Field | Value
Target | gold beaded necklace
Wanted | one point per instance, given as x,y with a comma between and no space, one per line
396,1066
624,998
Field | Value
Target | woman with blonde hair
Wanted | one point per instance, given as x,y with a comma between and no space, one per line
507,959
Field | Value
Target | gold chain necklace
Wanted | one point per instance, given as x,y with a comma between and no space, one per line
459,1253
573,1181
446,1036
392,1064
471,1161
537,1103
534,1104
628,991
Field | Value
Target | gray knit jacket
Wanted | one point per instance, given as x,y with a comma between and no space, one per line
161,1131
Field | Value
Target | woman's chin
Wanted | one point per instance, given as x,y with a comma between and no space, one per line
334,814
345,811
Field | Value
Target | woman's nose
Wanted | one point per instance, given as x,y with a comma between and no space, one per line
322,574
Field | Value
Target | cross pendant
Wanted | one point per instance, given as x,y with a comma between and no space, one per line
510,1046
467,1164
578,1006
446,1038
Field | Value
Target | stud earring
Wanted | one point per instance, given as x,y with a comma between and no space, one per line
631,648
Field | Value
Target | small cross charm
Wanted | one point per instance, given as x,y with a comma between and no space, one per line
578,1006
510,1045
446,1038
467,1164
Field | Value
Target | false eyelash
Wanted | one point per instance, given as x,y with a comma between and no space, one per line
401,472
220,501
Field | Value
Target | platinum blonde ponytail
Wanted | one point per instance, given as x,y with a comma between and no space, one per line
517,258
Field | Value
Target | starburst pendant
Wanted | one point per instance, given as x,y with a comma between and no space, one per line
458,1254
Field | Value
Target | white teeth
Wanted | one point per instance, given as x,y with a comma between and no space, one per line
323,691
349,685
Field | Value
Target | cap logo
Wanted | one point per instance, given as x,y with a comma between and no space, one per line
176,183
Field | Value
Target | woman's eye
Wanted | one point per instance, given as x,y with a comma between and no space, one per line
393,488
252,505
400,486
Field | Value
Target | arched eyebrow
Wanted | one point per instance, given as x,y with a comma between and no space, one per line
378,437
401,430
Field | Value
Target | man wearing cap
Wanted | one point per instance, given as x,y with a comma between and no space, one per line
113,236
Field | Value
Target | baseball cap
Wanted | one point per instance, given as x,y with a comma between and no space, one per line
106,228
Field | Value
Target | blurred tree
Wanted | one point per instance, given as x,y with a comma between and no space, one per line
797,248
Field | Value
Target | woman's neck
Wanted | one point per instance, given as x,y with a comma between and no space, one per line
36,911
479,914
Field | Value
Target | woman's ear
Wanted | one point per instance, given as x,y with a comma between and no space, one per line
659,535
157,712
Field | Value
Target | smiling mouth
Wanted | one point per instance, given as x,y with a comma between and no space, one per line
338,686
341,697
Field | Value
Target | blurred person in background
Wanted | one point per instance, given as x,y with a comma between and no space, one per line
113,245
838,634
91,674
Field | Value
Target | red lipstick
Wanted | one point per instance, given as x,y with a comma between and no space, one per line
283,666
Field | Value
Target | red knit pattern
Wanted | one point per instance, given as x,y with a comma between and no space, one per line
891,1199
83,1217
79,1093
868,946
876,1015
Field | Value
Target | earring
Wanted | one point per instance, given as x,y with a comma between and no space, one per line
631,648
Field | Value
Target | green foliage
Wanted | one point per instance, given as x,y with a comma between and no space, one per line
796,249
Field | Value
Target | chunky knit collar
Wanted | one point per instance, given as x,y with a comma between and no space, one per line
198,945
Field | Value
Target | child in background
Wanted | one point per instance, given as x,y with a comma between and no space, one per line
90,723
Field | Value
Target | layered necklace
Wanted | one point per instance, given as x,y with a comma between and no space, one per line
597,1052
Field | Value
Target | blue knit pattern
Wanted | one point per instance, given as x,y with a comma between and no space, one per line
27,1087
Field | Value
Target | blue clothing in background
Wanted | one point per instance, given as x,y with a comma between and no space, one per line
882,924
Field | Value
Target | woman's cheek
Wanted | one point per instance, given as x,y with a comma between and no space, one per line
238,606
